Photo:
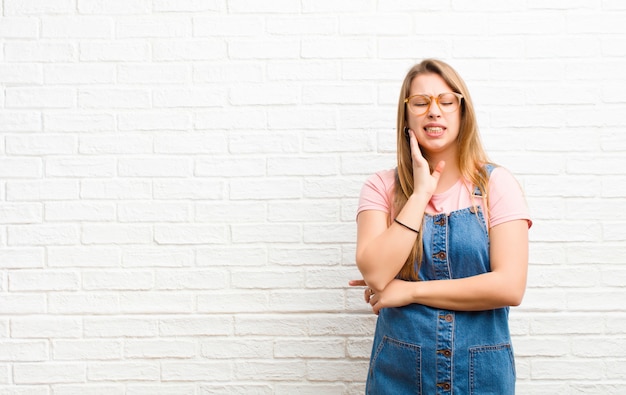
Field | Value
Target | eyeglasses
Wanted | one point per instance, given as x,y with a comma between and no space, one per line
447,102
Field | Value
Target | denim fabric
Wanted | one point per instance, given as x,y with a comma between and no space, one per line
422,350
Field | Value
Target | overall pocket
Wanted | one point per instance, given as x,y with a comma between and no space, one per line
492,370
395,368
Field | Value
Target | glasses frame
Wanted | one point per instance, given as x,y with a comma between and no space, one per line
434,99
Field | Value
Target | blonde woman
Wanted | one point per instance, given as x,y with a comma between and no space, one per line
442,244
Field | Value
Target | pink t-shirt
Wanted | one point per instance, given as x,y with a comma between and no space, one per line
506,199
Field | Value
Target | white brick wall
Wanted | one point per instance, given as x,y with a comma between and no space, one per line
178,183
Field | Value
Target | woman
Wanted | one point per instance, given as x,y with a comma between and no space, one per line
442,244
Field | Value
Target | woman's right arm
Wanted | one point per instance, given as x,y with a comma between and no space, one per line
380,250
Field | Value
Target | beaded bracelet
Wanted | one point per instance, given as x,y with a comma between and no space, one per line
406,226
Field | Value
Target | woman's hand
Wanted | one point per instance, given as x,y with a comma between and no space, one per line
423,180
396,294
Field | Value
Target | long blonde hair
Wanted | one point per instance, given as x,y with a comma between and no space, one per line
471,158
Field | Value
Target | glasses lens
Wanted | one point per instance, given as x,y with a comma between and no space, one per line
448,102
419,104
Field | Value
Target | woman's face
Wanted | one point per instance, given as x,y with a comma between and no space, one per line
436,130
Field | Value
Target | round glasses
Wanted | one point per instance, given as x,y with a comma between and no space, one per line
447,102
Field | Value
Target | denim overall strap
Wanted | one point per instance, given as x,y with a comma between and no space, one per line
489,167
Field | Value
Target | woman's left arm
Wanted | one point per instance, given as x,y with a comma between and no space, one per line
503,286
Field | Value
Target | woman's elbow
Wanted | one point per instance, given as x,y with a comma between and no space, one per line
514,297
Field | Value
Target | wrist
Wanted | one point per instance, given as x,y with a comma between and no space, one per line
420,197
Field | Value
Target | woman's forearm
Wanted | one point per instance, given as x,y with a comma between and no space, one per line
381,256
482,292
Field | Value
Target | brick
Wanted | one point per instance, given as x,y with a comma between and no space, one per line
113,98
144,349
113,189
92,389
20,168
379,25
27,303
267,279
231,256
156,302
193,97
67,350
21,73
152,27
80,167
153,212
239,72
20,213
190,234
157,257
312,389
154,167
223,348
23,351
310,348
279,6
191,143
157,73
188,5
78,122
191,279
337,370
151,120
222,302
186,50
123,371
196,371
228,26
19,27
122,50
116,233
160,389
196,325
40,97
263,49
68,303
252,142
115,7
309,255
270,370
271,188
40,52
194,189
49,372
21,258
37,7
12,121
104,143
348,48
120,327
117,280
218,166
296,211
38,144
76,27
31,280
41,190
42,235
264,233
270,325
79,211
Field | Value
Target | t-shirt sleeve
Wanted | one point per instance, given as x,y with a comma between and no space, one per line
376,193
506,199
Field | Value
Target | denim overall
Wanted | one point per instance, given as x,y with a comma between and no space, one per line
423,350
